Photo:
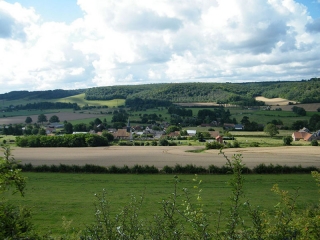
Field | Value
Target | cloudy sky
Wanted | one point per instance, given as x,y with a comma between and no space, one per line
71,44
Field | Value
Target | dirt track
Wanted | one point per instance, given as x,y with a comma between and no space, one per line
161,156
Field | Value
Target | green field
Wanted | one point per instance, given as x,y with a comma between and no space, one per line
53,196
81,101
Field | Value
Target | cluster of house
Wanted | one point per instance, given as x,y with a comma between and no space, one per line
128,132
306,135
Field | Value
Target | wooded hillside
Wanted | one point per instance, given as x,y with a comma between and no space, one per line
305,91
49,94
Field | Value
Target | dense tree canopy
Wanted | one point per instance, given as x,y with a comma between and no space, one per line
233,93
28,120
42,118
54,118
271,129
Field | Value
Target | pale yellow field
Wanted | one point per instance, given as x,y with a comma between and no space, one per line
274,101
162,155
283,104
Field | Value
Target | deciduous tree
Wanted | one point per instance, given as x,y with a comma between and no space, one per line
28,120
54,118
42,118
271,130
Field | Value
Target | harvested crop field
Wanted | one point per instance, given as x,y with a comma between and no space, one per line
274,101
63,116
160,156
284,104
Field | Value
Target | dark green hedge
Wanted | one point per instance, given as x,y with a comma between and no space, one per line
67,140
177,169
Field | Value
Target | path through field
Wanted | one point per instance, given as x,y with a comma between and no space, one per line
160,156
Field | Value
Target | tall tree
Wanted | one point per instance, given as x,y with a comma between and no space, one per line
271,130
54,118
42,118
68,128
28,120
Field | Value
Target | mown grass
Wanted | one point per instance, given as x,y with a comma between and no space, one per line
53,196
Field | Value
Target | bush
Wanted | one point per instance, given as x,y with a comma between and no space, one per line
214,145
171,143
163,142
314,143
236,144
254,144
287,140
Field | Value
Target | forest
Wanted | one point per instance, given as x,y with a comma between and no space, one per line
49,94
243,94
304,91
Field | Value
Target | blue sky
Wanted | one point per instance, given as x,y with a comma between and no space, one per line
53,10
72,44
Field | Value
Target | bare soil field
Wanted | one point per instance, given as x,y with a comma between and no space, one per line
68,116
161,155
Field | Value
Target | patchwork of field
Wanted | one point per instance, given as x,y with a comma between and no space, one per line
161,156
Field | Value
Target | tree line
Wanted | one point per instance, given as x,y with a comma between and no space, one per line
67,140
47,94
47,105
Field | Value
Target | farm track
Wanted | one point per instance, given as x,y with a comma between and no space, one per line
160,156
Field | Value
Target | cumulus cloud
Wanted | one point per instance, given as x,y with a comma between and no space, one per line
121,42
314,26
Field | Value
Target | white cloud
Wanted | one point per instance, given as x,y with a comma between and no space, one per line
142,41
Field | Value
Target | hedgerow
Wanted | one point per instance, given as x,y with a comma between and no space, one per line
177,169
67,140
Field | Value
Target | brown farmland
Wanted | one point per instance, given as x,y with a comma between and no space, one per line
63,116
160,156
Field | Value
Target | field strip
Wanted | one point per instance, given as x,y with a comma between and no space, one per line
161,155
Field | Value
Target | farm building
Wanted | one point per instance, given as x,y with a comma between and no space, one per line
214,134
306,135
122,134
191,132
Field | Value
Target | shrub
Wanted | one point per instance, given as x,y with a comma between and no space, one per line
214,145
287,140
167,169
236,144
254,144
163,142
314,143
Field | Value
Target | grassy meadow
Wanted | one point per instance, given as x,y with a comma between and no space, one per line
53,196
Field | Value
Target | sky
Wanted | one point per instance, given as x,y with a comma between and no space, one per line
74,44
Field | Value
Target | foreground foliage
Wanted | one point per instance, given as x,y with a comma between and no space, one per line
15,222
